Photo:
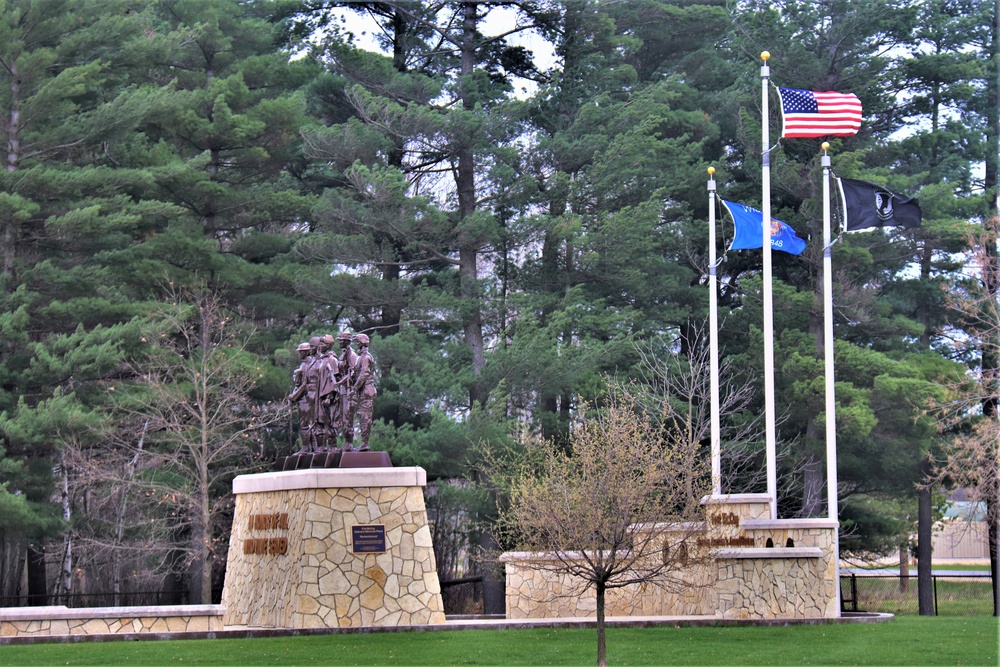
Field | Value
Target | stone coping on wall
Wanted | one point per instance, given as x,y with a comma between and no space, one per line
767,552
329,478
459,623
788,524
59,612
734,498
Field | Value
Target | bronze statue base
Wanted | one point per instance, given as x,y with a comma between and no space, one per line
334,459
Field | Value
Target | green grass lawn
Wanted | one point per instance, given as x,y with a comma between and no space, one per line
902,641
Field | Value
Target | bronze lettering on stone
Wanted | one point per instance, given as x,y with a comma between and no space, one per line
741,541
263,546
726,519
266,545
368,539
275,521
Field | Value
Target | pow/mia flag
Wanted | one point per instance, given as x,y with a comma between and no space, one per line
867,206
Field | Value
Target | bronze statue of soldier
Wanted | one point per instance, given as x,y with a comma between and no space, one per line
348,404
363,389
330,390
299,397
324,368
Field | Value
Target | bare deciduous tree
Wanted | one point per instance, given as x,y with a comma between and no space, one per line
594,511
188,424
973,453
674,374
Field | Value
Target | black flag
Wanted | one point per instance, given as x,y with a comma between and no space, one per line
867,206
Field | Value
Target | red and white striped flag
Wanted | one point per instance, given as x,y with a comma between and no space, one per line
806,113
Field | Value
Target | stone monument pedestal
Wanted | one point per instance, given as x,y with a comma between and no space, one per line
329,547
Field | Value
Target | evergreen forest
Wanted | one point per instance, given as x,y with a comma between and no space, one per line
509,199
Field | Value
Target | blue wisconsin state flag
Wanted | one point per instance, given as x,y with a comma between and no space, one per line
749,234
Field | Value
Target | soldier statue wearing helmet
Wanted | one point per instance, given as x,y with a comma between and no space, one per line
348,403
363,389
329,389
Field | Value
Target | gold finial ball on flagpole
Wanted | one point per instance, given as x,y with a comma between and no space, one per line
765,55
711,171
825,146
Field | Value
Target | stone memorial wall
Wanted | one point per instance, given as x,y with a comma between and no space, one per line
746,567
321,548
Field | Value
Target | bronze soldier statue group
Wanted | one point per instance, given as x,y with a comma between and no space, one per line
330,388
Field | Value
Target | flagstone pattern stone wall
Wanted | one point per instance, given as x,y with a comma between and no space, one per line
741,577
301,571
57,620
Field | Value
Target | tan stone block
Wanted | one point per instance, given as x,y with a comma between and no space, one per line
59,627
405,548
312,546
338,554
412,604
376,574
307,605
389,494
372,597
176,623
422,538
389,619
319,514
198,624
342,606
309,575
393,521
333,583
361,515
391,586
312,621
340,503
94,626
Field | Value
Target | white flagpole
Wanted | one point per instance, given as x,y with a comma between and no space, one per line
831,400
769,417
713,339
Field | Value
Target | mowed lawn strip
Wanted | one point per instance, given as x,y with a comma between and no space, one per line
910,640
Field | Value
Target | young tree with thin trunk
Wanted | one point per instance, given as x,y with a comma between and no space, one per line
193,397
596,513
973,455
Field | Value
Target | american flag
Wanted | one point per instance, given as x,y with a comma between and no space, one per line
806,113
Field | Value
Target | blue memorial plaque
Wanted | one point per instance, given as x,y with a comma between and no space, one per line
368,539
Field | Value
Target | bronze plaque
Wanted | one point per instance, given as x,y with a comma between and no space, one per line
368,539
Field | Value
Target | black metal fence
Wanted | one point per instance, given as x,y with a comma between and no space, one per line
959,594
462,596
86,600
